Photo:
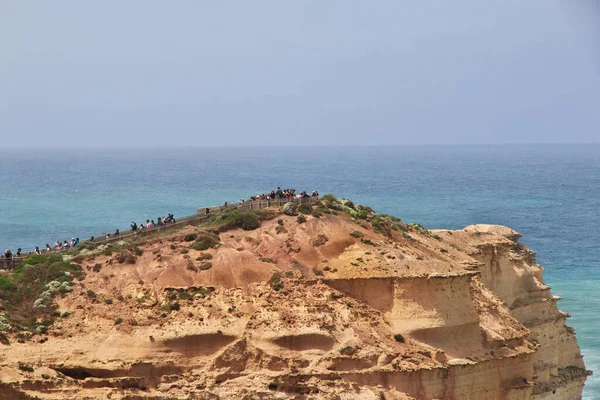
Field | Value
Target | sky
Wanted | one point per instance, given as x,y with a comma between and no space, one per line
147,73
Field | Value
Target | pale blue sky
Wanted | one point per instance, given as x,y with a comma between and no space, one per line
192,73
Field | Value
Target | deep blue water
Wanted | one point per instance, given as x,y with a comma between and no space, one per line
549,193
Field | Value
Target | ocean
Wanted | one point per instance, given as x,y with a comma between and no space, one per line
548,193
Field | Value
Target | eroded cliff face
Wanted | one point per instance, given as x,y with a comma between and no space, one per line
510,270
335,307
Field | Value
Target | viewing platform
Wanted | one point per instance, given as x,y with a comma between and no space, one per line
203,214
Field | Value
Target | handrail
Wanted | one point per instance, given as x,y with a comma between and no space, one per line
10,263
202,216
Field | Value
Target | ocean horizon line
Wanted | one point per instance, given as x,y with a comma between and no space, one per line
293,146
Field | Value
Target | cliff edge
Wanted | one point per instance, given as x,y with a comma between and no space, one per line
329,300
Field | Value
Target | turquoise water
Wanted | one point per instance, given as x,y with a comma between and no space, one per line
549,193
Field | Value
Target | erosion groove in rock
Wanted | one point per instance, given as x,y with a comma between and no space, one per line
310,341
199,345
378,310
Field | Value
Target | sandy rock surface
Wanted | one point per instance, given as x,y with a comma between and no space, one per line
330,308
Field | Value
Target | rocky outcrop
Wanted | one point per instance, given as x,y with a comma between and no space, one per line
510,270
378,310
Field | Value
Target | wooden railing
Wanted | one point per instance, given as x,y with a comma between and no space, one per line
201,216
10,263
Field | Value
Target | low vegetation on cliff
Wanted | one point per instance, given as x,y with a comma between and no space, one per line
28,293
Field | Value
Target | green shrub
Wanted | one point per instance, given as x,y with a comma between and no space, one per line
356,234
190,237
323,210
267,260
191,266
204,291
289,209
41,329
28,292
249,222
368,241
275,282
118,321
6,284
204,256
185,296
329,197
206,266
4,339
85,246
25,367
347,203
133,248
110,249
399,338
331,202
232,218
409,237
347,351
38,259
316,214
419,228
78,259
168,307
125,256
361,214
205,242
184,251
320,240
305,208
301,219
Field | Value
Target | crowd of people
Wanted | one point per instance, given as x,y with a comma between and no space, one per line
66,244
151,224
59,245
282,194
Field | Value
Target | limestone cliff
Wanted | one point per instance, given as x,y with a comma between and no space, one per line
347,305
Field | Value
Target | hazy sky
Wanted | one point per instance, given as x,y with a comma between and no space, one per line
182,73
